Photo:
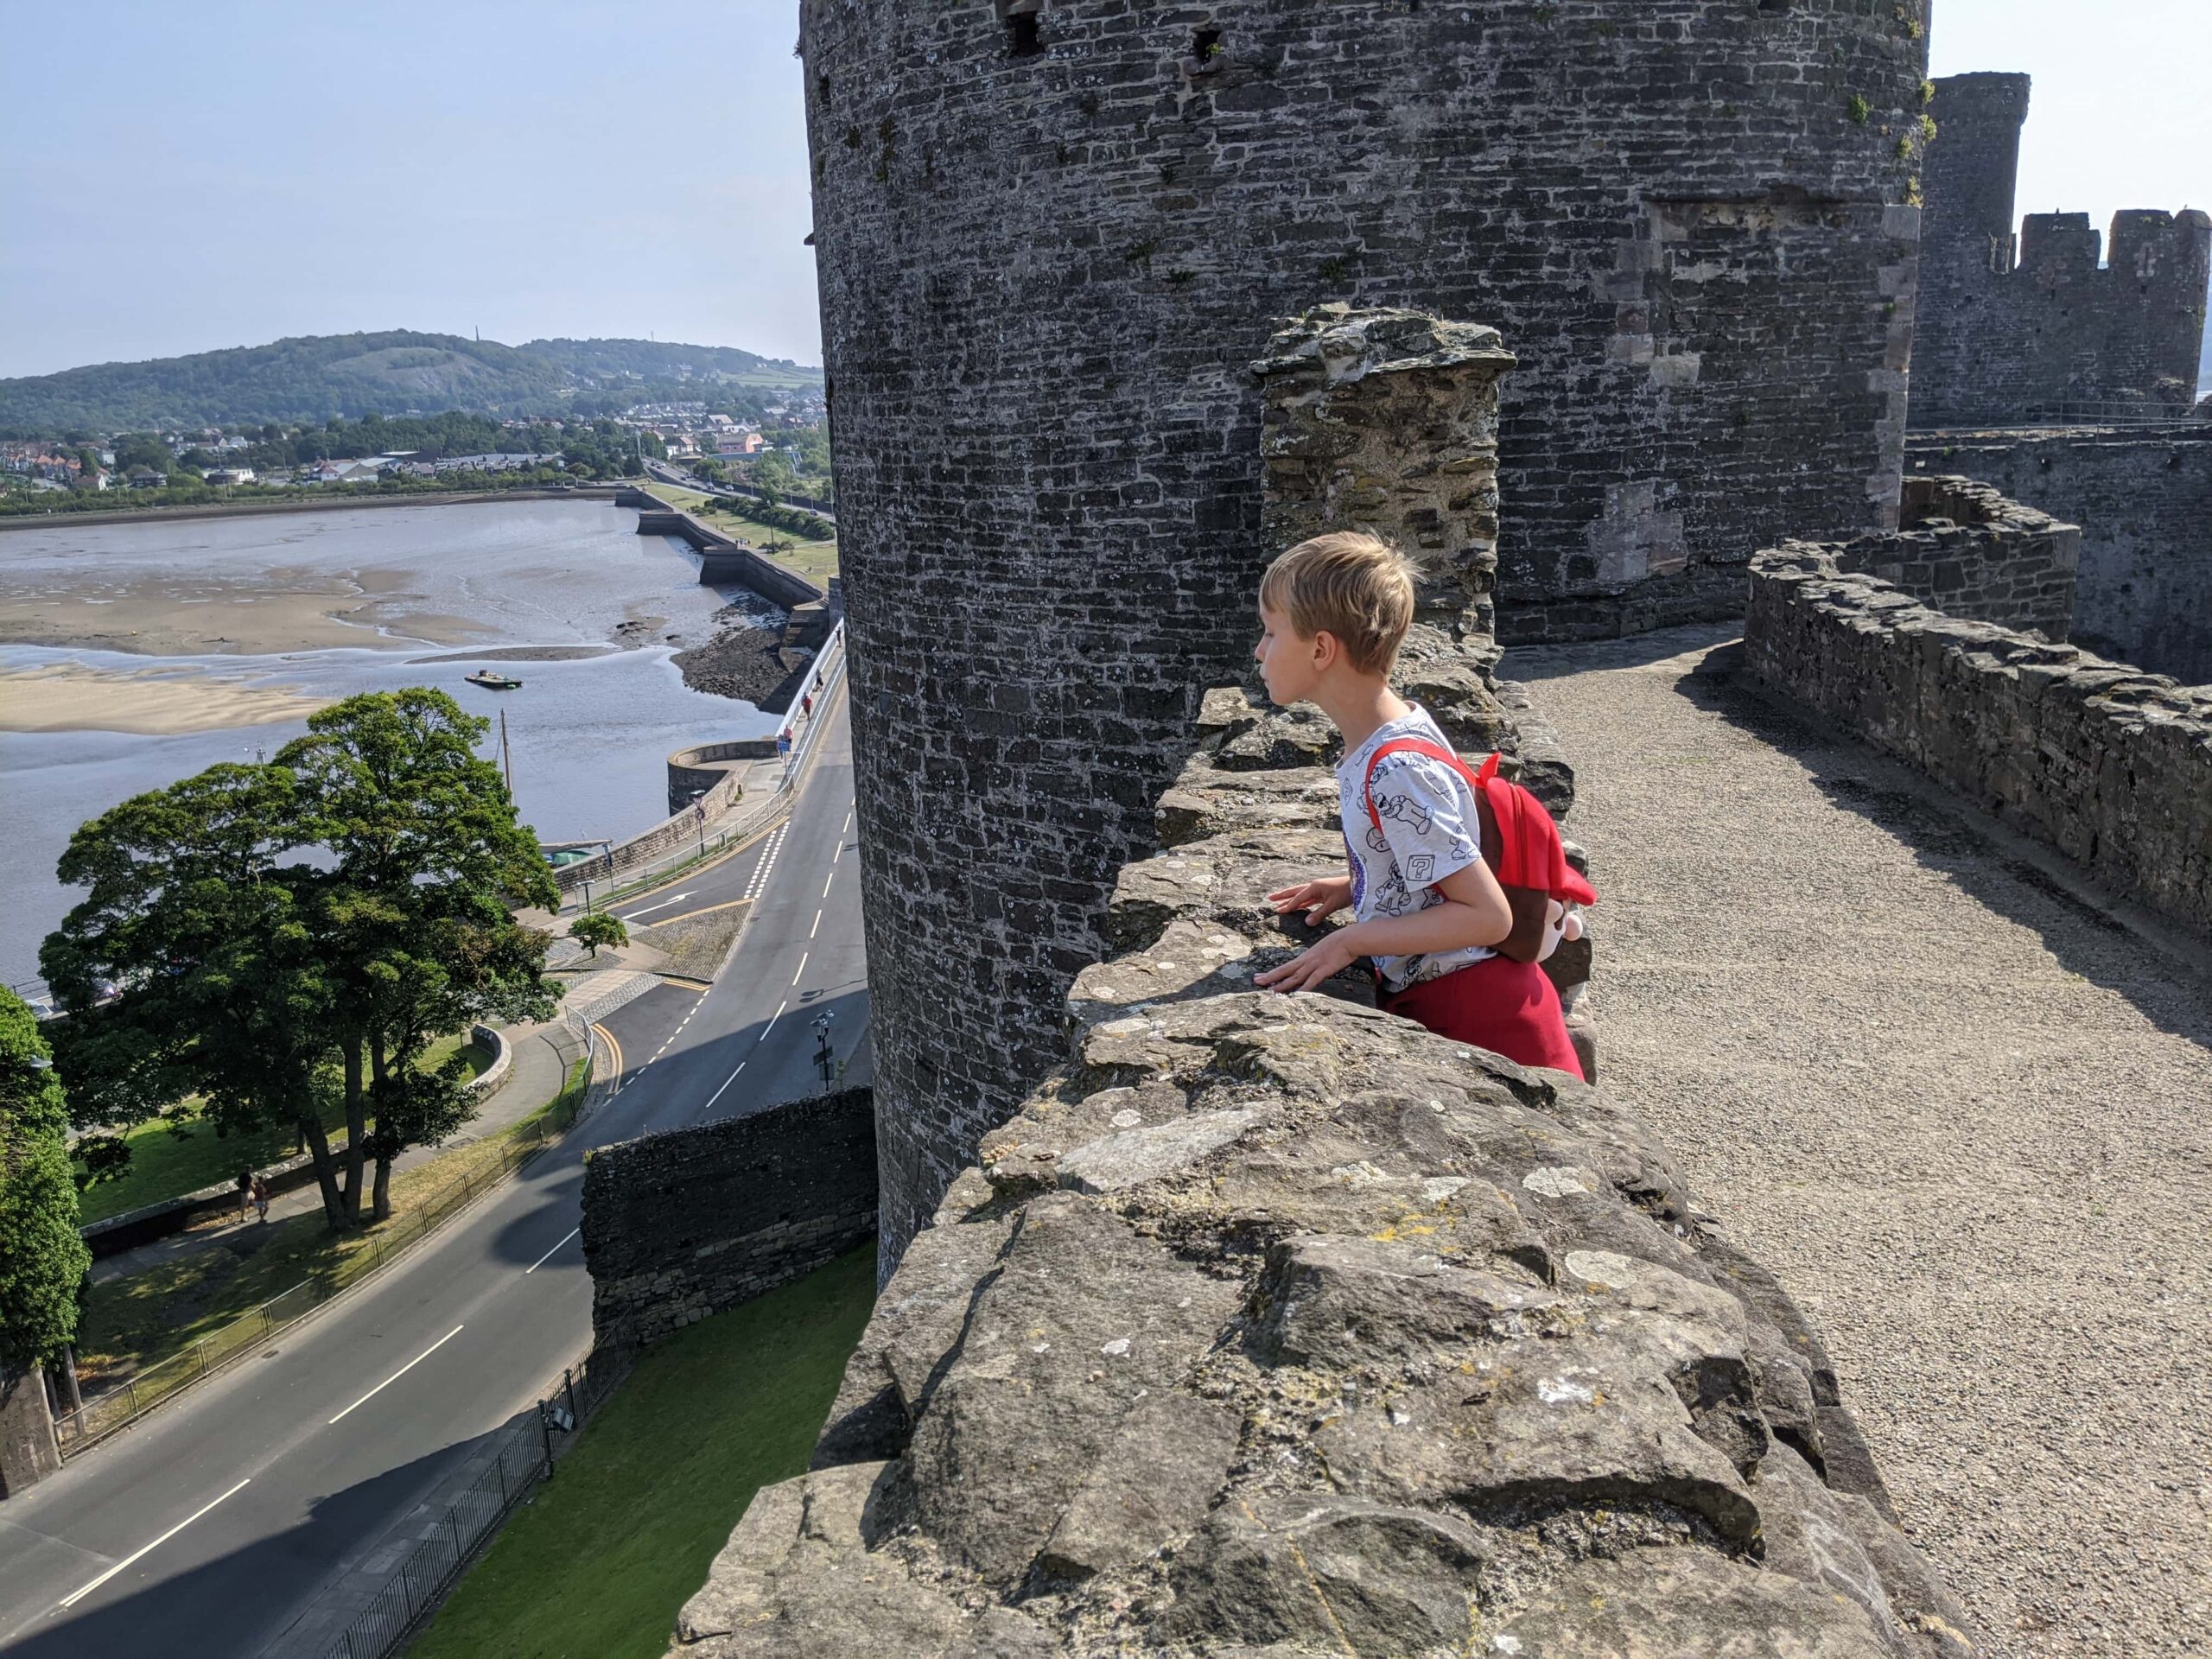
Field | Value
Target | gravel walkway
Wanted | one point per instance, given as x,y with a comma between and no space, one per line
1962,1114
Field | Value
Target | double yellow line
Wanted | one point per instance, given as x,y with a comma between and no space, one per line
615,1049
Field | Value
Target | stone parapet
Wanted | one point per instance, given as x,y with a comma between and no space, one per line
1967,549
1280,1326
2143,498
2109,764
680,1225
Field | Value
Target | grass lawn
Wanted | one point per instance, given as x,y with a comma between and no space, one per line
134,1323
816,561
597,1564
166,1165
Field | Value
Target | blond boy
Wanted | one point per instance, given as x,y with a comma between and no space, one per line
1427,909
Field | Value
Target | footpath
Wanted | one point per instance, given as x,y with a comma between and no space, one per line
541,1055
1965,1115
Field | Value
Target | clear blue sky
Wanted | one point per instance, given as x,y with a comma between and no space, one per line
174,178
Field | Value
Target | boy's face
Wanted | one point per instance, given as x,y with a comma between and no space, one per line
1289,666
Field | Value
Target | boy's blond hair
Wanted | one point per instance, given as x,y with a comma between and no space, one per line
1356,586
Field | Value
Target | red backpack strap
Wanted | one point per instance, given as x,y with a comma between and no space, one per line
1421,746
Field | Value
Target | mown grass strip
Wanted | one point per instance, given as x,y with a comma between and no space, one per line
165,1164
596,1564
132,1325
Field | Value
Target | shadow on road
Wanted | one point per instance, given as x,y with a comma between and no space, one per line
203,1612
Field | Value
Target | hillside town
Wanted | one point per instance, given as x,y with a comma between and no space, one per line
786,442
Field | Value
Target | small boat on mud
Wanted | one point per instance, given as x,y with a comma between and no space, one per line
492,680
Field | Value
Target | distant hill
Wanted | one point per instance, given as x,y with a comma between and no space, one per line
612,360
314,377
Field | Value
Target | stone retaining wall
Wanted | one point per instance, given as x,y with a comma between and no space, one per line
680,1225
2143,498
2109,764
1279,1326
1965,547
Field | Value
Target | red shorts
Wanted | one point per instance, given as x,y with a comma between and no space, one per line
1508,1008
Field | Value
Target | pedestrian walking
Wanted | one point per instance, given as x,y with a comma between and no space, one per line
245,1184
261,1196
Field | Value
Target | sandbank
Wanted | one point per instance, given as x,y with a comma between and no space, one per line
155,702
167,614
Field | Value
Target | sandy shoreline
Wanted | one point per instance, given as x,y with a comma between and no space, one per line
306,503
155,703
273,610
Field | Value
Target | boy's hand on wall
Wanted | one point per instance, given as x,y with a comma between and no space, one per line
1319,900
1326,958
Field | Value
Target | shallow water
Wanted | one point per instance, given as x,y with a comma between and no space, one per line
588,737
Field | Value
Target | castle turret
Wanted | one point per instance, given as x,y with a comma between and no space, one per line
2062,323
1053,239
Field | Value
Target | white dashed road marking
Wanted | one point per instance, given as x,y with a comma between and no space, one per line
74,1597
718,1095
768,862
798,971
547,1256
816,928
401,1372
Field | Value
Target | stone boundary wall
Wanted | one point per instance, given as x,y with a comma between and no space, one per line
1277,1326
2109,764
680,1225
2143,498
716,769
1965,547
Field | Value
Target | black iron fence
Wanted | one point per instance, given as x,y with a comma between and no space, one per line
526,1455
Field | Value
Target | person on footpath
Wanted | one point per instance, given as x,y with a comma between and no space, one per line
261,1196
245,1184
1448,948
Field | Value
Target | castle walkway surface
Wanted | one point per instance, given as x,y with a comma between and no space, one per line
1965,1116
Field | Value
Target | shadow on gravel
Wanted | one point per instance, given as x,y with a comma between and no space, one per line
1862,780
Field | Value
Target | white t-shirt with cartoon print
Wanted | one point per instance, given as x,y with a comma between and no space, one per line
1429,832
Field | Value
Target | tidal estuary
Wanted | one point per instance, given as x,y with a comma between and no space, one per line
133,655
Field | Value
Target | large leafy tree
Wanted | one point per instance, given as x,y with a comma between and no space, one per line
42,1259
202,914
427,867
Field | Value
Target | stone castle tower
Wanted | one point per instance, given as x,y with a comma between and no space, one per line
1053,237
2056,322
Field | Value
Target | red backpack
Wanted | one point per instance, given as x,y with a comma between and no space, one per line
1520,843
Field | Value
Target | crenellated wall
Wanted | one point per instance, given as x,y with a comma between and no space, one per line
2056,322
1278,1325
1966,548
2109,764
2143,498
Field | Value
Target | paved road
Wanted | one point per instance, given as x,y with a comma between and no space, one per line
208,1529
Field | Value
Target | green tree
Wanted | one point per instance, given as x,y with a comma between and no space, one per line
427,863
42,1258
200,912
142,449
771,476
598,927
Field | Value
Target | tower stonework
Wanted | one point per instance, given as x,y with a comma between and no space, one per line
2057,321
1054,238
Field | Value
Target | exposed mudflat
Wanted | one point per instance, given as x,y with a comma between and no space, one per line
1964,1116
744,661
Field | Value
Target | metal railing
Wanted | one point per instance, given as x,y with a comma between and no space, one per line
472,1519
2062,413
115,1408
803,731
